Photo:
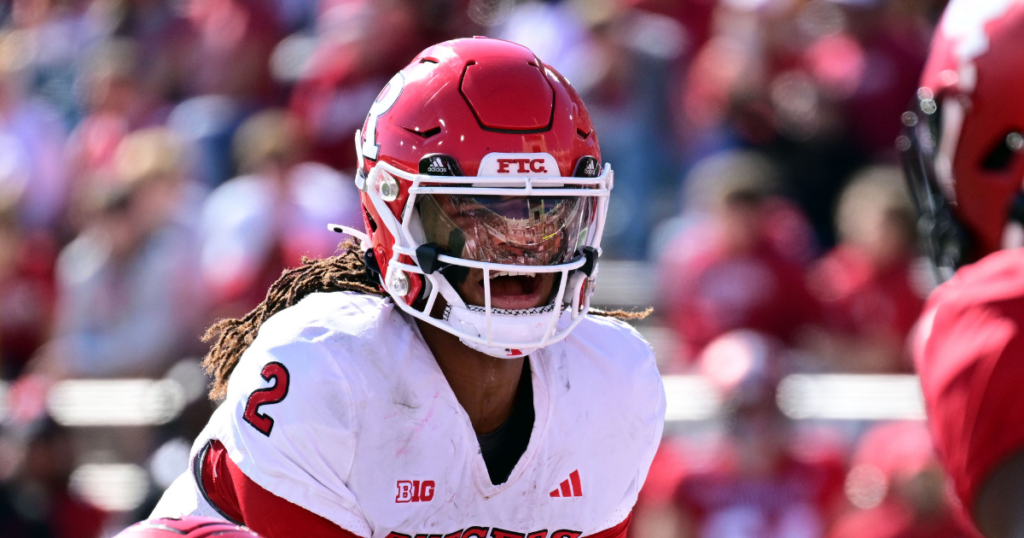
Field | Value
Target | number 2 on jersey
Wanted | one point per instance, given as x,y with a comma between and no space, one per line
270,395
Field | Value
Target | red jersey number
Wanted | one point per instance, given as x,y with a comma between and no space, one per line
270,395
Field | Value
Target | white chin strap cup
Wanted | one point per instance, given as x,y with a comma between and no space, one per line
515,326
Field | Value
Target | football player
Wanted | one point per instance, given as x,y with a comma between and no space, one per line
962,154
447,379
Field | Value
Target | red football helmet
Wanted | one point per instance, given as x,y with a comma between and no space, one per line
478,155
965,133
186,527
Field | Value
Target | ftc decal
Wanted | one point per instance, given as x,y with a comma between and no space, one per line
414,491
519,164
535,165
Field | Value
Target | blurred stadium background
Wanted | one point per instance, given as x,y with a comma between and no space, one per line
161,161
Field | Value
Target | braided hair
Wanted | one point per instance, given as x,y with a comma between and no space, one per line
344,272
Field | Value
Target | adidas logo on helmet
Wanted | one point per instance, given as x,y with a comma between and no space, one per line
437,166
587,166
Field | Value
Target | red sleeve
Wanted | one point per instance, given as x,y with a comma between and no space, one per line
619,531
245,502
967,351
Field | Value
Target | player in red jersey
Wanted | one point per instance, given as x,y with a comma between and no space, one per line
962,155
445,379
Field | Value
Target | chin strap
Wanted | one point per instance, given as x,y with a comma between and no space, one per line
527,325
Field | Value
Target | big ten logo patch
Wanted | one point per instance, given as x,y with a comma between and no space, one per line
414,491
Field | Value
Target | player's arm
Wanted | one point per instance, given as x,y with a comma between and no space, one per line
277,454
243,501
967,349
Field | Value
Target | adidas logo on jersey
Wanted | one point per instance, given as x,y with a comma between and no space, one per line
569,487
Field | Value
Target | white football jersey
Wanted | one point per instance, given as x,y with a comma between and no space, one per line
339,407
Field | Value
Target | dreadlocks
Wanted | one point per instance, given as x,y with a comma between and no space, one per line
344,272
230,337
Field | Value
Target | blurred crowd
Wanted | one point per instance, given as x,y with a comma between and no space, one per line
161,162
759,474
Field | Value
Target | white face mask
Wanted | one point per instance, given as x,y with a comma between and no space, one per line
572,209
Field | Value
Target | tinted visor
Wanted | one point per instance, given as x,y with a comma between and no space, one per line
514,230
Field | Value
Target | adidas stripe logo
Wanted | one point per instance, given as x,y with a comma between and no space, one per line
437,166
570,487
586,167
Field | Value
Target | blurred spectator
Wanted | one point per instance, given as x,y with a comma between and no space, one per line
296,15
35,501
31,141
224,49
867,283
695,16
817,85
55,36
257,224
26,290
114,103
763,480
129,285
216,63
897,486
740,262
883,45
352,63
